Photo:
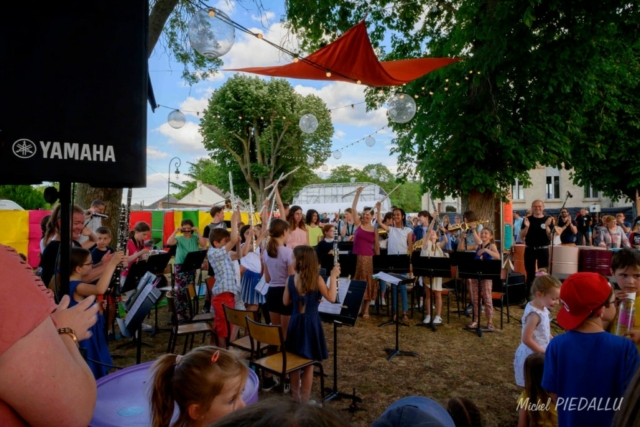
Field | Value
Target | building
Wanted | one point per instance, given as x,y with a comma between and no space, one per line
549,185
203,195
336,197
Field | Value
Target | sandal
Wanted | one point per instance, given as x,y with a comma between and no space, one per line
365,316
490,326
472,325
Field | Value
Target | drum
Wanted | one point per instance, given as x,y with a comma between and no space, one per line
518,259
595,260
565,259
123,397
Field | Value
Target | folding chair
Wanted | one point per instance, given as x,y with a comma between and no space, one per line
281,363
186,329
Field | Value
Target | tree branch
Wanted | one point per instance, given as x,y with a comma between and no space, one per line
157,18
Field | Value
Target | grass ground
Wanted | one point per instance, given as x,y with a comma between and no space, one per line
452,362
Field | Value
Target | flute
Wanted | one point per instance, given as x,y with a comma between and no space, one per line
251,213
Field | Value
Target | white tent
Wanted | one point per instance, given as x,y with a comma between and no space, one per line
331,198
8,205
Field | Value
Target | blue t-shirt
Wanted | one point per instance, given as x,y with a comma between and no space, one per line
589,373
97,254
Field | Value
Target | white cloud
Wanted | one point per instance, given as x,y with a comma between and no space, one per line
154,153
191,106
156,188
227,6
339,94
187,139
339,134
264,18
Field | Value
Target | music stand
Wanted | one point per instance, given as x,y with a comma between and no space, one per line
431,267
398,264
480,270
456,259
192,262
351,296
142,306
155,264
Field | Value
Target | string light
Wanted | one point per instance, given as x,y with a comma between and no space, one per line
328,73
295,58
358,82
212,13
260,36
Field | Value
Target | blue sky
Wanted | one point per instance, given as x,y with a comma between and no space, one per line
164,142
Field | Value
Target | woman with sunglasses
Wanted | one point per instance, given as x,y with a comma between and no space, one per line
189,241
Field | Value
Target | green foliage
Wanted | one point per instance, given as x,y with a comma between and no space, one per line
251,128
540,82
28,197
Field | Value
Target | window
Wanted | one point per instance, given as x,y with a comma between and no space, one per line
590,193
553,183
517,191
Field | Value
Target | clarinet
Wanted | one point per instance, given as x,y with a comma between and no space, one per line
336,261
123,236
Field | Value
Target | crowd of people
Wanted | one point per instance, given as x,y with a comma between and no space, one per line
275,267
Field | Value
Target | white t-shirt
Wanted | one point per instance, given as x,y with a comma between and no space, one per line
398,240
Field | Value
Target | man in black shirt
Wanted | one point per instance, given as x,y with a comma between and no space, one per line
566,228
583,221
535,233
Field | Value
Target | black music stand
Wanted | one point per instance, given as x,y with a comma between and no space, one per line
192,262
155,264
430,267
393,352
351,302
141,308
398,264
480,270
456,259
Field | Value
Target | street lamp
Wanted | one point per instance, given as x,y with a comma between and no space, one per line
178,164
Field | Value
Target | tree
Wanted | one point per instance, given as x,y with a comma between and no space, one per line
26,196
530,82
251,129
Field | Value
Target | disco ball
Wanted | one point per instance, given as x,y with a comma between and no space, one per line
210,33
402,108
308,123
352,179
373,173
325,168
337,154
309,160
176,119
370,141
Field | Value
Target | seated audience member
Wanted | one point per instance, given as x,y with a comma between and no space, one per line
634,236
44,381
282,412
422,411
586,362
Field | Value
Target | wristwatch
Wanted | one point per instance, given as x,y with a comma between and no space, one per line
71,333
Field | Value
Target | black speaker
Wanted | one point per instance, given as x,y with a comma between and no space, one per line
73,91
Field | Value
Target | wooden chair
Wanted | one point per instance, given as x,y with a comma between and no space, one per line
281,363
194,307
238,318
188,330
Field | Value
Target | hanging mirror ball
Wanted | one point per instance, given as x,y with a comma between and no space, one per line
370,141
325,168
210,33
309,160
308,123
352,179
337,154
402,108
373,173
176,119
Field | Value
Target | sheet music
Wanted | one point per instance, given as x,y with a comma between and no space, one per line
389,278
330,308
136,305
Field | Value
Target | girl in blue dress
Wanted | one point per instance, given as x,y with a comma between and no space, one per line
80,264
305,336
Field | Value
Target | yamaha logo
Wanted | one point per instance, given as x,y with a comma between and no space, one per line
24,148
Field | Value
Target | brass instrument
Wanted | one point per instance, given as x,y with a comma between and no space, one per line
418,245
464,226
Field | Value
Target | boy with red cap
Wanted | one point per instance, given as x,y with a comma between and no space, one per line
587,369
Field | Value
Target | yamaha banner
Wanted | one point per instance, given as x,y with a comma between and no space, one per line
73,92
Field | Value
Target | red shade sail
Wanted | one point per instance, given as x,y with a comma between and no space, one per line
351,58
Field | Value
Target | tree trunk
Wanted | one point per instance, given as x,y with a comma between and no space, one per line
112,198
486,207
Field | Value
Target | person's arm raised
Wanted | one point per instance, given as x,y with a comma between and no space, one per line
235,217
381,224
354,207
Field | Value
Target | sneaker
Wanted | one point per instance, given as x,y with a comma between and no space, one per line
372,303
314,403
269,383
384,302
286,388
147,327
437,320
427,319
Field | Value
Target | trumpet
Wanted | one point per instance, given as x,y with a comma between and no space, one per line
418,245
464,226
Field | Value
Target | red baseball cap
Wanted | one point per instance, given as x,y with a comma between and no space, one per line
580,294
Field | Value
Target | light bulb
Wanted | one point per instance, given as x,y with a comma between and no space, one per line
446,88
328,73
295,58
358,82
415,96
479,72
446,80
380,92
470,71
466,78
422,87
260,36
430,93
212,13
402,96
457,84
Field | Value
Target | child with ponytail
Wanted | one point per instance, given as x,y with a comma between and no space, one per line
206,384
